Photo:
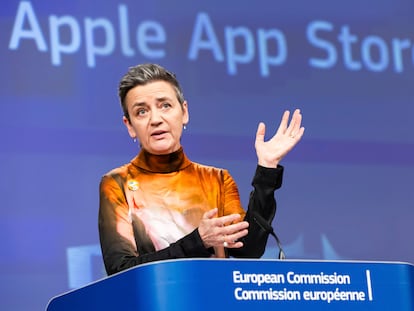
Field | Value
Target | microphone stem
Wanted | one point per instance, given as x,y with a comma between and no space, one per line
281,252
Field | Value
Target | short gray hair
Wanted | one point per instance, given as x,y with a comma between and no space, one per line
143,74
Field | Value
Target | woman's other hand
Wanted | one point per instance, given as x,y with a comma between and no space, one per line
222,231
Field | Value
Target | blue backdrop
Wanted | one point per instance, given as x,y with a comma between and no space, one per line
349,66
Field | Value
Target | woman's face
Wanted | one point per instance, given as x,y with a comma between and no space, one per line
156,117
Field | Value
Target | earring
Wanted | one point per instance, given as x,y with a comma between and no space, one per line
135,140
185,126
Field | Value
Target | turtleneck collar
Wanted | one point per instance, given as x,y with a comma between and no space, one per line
165,163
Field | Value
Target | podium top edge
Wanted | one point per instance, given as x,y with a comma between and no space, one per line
278,260
167,261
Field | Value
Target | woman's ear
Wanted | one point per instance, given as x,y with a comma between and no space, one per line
186,115
129,127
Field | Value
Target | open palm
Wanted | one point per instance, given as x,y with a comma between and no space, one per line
271,152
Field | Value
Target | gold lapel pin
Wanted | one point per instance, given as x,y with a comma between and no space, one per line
133,185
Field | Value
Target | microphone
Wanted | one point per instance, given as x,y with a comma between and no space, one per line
269,229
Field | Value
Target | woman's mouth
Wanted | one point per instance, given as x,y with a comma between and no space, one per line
158,134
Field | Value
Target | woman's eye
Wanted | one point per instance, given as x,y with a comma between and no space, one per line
166,105
141,112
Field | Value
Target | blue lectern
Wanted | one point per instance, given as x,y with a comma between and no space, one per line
230,284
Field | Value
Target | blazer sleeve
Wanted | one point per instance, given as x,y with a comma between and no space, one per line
262,200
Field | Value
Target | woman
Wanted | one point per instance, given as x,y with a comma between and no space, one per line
163,206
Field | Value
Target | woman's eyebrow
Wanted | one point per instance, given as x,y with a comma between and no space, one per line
163,98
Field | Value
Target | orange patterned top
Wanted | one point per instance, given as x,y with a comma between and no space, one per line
150,209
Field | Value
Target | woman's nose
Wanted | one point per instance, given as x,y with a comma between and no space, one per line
156,117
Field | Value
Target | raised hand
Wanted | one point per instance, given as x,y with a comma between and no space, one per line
271,152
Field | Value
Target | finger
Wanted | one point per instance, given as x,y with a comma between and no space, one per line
236,236
301,132
237,244
228,219
294,128
233,228
210,214
260,133
298,129
297,119
232,240
284,122
294,122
